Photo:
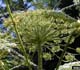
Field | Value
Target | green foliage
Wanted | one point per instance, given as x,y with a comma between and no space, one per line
38,28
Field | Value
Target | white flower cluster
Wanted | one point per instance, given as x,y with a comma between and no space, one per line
68,66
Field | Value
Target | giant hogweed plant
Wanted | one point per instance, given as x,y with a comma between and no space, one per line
40,29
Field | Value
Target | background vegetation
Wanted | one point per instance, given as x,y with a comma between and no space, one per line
40,36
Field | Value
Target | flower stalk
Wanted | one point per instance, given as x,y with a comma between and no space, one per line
39,49
22,48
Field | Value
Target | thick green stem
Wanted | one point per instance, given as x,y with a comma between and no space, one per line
22,48
40,57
